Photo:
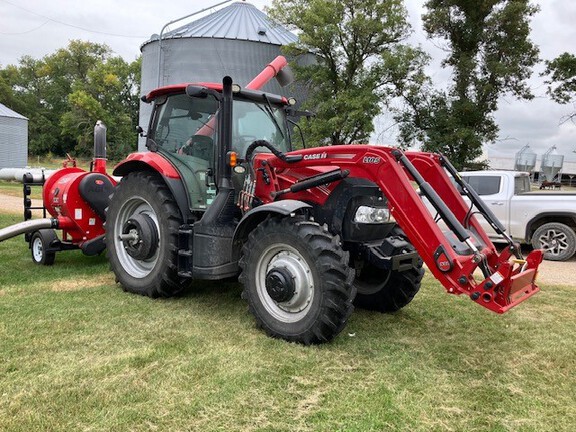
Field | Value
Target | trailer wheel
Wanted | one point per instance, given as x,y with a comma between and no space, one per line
556,239
40,244
387,290
296,280
142,224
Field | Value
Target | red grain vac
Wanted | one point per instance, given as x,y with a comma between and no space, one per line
76,201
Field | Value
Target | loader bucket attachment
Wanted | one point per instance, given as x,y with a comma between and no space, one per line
510,285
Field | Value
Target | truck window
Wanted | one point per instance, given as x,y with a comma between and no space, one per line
484,185
521,185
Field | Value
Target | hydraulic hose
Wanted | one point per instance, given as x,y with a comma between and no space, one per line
26,227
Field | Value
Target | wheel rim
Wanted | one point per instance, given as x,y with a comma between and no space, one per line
135,267
554,242
37,249
290,261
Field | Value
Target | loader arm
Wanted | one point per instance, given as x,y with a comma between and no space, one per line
453,256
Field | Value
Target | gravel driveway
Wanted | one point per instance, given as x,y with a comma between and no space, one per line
551,272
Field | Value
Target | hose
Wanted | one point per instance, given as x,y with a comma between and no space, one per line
26,227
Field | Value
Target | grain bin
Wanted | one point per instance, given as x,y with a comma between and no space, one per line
238,40
551,165
525,160
13,139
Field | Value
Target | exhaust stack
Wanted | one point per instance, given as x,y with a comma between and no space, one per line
99,162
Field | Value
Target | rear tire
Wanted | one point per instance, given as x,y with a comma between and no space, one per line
143,207
387,290
39,245
296,280
556,239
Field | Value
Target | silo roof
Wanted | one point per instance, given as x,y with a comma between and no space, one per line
240,20
7,112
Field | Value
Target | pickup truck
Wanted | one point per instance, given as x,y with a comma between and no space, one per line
544,219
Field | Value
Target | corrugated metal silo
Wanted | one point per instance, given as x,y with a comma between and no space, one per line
551,165
13,139
238,40
525,159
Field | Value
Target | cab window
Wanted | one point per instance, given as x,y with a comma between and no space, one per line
181,119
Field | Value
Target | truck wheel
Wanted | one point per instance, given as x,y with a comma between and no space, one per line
296,280
556,239
40,243
142,224
387,290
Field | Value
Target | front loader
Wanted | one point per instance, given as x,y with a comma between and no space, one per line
309,232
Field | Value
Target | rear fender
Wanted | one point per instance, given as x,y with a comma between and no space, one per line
257,215
151,161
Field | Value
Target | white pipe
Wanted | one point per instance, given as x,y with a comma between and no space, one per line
15,174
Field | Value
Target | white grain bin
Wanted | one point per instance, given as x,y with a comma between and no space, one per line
13,139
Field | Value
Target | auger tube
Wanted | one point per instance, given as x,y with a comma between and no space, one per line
27,227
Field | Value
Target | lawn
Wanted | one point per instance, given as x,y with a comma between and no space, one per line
77,353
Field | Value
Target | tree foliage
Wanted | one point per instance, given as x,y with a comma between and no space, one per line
562,80
357,44
65,93
490,55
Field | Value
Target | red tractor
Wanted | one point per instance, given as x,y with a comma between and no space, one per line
221,194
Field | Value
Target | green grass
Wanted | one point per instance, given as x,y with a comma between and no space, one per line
14,189
77,353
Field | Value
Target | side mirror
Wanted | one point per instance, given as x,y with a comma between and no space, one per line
196,91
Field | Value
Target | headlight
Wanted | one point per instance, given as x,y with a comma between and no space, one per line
365,214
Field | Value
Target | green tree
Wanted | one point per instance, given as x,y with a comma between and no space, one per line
65,93
358,48
562,81
490,55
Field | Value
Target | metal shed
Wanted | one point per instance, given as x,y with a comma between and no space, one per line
238,40
13,139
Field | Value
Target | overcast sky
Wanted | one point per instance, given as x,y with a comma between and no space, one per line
38,28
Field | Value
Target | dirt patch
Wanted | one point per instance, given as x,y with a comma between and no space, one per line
14,205
77,284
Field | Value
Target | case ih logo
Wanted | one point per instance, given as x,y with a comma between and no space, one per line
315,156
371,160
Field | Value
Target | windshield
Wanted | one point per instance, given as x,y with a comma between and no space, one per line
258,121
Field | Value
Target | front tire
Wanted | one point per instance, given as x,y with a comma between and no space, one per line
387,290
40,245
556,239
142,225
296,280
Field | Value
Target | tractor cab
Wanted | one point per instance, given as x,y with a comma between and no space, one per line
184,128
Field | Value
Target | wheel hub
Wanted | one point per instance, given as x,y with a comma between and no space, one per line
140,237
280,285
